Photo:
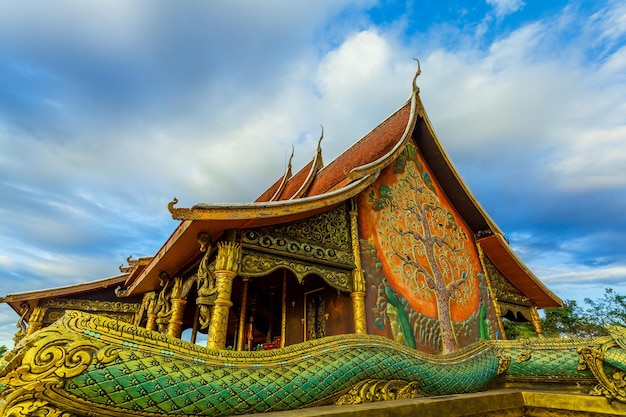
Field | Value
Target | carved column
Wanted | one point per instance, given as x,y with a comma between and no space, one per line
175,323
536,321
36,320
358,280
174,327
226,267
242,315
180,291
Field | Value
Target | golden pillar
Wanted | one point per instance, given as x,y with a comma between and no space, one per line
358,280
226,267
536,321
242,315
151,322
175,322
174,327
358,309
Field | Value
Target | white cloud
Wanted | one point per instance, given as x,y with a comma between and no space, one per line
506,7
578,275
594,160
610,21
365,79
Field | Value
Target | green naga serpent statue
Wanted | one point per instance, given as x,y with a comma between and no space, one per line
86,365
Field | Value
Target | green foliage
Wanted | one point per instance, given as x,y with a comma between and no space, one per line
572,320
3,350
610,309
518,330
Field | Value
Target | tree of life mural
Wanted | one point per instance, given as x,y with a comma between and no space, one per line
427,255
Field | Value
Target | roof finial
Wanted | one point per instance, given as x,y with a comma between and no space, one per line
419,71
319,143
290,158
319,148
171,204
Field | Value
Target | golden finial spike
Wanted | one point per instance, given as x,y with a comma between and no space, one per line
290,158
419,71
319,148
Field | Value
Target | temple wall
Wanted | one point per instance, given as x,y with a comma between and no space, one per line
425,285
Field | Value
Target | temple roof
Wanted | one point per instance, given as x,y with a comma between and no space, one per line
502,256
33,297
316,188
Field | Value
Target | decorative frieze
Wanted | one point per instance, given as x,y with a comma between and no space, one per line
255,264
324,238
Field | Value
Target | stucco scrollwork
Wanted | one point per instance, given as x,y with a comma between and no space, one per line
324,238
254,264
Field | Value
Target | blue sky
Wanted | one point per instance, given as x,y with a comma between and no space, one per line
109,109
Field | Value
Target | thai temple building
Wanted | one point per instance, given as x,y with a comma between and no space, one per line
373,285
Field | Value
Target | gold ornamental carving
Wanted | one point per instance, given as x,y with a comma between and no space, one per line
54,308
163,307
226,268
503,290
324,238
515,309
92,305
207,290
22,329
504,361
150,300
358,310
328,229
358,278
372,390
593,358
613,387
42,368
146,311
254,264
227,257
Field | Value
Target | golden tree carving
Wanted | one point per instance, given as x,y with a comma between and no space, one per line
427,252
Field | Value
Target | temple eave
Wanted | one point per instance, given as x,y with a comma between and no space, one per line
278,210
499,252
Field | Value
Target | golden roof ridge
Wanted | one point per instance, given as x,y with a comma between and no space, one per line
269,209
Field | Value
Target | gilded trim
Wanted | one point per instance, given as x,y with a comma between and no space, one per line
271,209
